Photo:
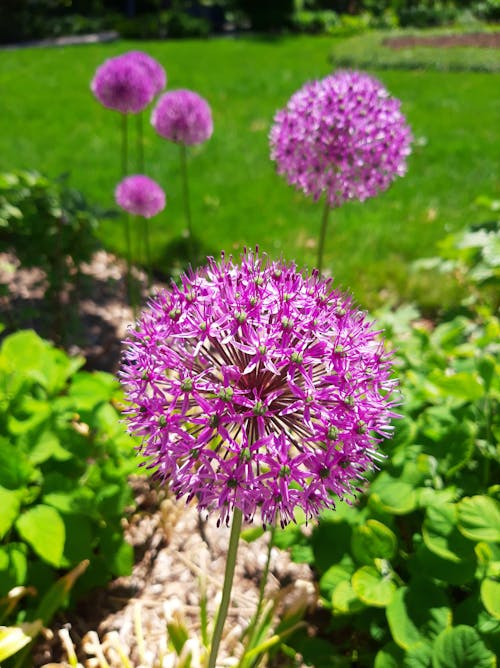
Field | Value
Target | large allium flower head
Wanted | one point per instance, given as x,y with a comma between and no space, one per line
344,136
258,387
184,117
122,84
140,196
152,68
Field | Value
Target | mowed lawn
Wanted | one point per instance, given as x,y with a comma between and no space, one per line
49,121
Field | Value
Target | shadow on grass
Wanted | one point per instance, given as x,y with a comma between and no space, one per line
178,255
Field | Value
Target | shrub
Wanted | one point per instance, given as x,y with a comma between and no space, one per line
64,462
47,225
409,573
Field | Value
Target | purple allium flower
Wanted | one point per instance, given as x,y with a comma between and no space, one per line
152,67
182,116
140,196
258,387
121,84
344,136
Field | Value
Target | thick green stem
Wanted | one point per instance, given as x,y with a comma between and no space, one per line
250,632
228,583
148,252
322,235
185,194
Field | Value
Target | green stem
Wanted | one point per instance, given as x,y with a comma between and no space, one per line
128,239
322,234
148,252
228,583
185,194
140,144
250,632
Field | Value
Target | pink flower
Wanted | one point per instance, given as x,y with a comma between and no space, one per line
182,116
258,387
154,71
344,136
122,84
140,196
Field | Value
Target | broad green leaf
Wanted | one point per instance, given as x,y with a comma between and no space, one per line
462,385
334,576
392,496
456,573
57,594
119,554
461,647
10,504
417,613
390,656
91,389
441,534
479,518
373,588
36,412
24,351
330,543
43,528
48,445
15,469
490,596
13,566
345,601
79,539
373,540
419,656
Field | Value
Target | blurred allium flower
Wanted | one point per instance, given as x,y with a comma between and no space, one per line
152,67
182,116
344,136
257,387
122,84
140,196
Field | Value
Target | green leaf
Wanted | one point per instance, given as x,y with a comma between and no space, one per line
417,613
448,571
10,504
15,470
373,588
479,518
345,601
461,647
462,385
390,656
13,566
43,528
334,576
252,534
330,542
56,596
419,656
392,496
490,596
48,445
373,540
91,389
441,534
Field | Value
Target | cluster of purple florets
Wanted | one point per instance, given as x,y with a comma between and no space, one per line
140,196
344,136
258,387
183,117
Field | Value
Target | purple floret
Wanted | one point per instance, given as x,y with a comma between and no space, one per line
344,136
140,196
258,387
122,84
154,71
184,117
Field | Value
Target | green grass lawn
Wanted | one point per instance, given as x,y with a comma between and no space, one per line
49,121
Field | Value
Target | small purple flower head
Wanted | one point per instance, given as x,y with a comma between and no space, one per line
258,387
344,136
122,84
140,196
184,117
152,67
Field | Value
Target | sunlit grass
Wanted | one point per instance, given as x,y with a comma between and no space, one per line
50,121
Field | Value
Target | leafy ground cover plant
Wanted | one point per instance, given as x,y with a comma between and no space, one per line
48,225
410,574
64,462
